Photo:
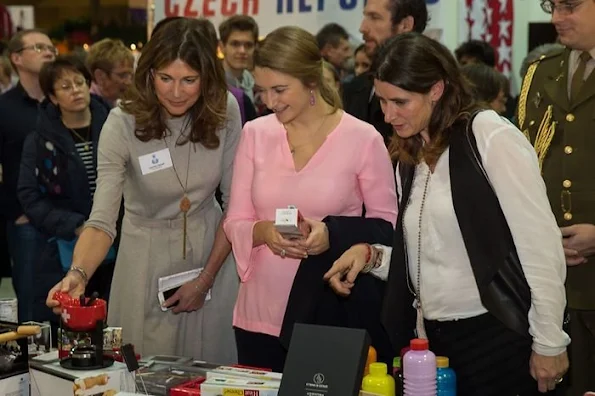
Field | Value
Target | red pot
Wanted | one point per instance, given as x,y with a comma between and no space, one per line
81,318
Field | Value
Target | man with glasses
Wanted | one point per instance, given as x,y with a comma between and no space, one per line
111,65
556,111
239,35
28,51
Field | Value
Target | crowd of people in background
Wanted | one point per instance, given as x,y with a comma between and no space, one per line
417,170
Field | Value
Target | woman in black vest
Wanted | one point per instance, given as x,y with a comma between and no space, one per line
476,251
58,171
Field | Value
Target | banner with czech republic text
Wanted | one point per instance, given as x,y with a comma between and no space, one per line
271,14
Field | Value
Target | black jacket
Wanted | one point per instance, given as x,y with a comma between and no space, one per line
357,102
312,301
503,289
18,117
53,187
56,202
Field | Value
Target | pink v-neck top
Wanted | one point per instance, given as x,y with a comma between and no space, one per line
351,168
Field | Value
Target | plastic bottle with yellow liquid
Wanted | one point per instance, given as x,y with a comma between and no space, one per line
378,381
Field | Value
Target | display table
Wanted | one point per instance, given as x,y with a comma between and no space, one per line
15,384
48,378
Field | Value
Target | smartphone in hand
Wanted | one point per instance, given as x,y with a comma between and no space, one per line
164,295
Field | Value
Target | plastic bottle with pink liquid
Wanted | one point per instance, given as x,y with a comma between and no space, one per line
419,370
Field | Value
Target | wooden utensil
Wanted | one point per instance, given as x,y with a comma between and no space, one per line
20,332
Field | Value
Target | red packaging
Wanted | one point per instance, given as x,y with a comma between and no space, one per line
191,388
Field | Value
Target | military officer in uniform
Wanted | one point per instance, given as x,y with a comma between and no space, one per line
557,113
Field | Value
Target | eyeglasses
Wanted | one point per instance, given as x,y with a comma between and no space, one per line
39,48
68,86
563,8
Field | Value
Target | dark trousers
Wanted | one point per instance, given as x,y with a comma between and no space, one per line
24,245
488,358
582,352
260,350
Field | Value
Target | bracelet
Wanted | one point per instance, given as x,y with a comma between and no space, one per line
204,282
379,256
369,263
80,271
204,293
207,273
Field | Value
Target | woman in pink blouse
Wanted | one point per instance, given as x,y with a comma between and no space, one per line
310,154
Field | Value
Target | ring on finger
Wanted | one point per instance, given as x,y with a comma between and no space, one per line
283,252
559,380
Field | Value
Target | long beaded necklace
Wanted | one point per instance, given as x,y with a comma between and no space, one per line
420,327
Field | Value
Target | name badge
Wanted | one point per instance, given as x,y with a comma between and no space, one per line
154,162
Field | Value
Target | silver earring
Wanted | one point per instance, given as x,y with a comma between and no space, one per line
312,98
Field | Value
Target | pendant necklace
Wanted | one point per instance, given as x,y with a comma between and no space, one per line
292,148
82,139
185,203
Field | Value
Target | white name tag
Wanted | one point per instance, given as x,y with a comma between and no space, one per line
154,162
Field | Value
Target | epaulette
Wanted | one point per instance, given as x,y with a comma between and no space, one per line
547,127
526,85
552,54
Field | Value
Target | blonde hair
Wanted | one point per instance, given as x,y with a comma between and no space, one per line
107,54
293,51
328,66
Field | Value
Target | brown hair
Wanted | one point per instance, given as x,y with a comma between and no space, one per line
53,71
107,54
16,42
5,65
292,50
207,28
416,9
415,63
485,81
328,66
331,34
239,23
179,39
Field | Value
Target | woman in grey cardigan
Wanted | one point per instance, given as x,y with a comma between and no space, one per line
166,149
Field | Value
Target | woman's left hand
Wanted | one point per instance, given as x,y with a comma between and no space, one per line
341,277
548,370
317,241
190,296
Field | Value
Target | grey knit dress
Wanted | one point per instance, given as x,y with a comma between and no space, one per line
152,229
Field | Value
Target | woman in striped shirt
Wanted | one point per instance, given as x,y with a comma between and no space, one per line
58,168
